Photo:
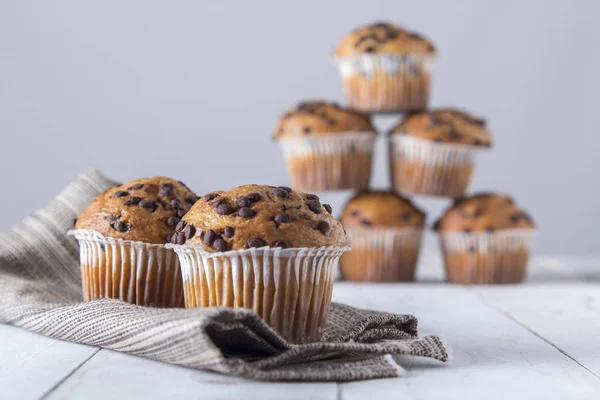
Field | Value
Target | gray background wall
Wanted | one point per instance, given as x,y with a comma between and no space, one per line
192,89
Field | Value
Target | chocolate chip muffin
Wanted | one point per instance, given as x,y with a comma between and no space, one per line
327,147
267,248
384,230
385,68
485,239
433,152
122,236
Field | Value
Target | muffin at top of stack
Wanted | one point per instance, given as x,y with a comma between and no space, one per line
484,212
144,210
257,216
319,117
383,38
446,125
385,68
381,209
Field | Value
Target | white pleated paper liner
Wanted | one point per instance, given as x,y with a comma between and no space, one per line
381,254
386,82
421,166
136,272
329,161
486,258
290,289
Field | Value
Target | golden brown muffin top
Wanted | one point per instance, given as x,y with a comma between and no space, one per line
383,38
446,125
144,210
381,209
484,212
257,216
319,117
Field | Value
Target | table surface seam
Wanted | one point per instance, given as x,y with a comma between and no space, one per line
487,301
69,375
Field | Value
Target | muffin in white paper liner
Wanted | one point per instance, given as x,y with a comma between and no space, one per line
386,82
136,272
486,257
381,254
329,161
290,289
420,166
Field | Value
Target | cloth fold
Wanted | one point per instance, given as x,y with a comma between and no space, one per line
40,290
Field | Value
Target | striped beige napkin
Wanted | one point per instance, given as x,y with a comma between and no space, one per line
40,290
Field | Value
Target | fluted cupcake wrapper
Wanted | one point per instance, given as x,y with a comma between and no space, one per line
486,258
329,161
420,166
136,272
381,254
290,289
386,82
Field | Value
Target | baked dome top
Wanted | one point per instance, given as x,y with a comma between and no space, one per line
144,210
319,117
383,38
445,125
484,212
257,216
381,209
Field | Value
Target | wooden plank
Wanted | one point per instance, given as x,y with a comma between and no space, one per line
31,364
494,357
567,315
112,375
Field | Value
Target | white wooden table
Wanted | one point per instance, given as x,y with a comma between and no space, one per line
537,340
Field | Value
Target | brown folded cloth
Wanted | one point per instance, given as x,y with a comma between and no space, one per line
40,290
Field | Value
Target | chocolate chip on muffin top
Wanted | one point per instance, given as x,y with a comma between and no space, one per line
318,117
445,125
484,212
383,38
144,210
381,209
256,216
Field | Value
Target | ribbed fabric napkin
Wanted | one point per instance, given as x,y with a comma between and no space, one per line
40,290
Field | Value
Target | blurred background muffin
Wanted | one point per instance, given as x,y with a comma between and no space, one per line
384,230
433,152
327,147
385,68
122,235
485,238
269,249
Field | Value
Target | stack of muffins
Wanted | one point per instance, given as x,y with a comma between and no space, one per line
275,250
485,238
